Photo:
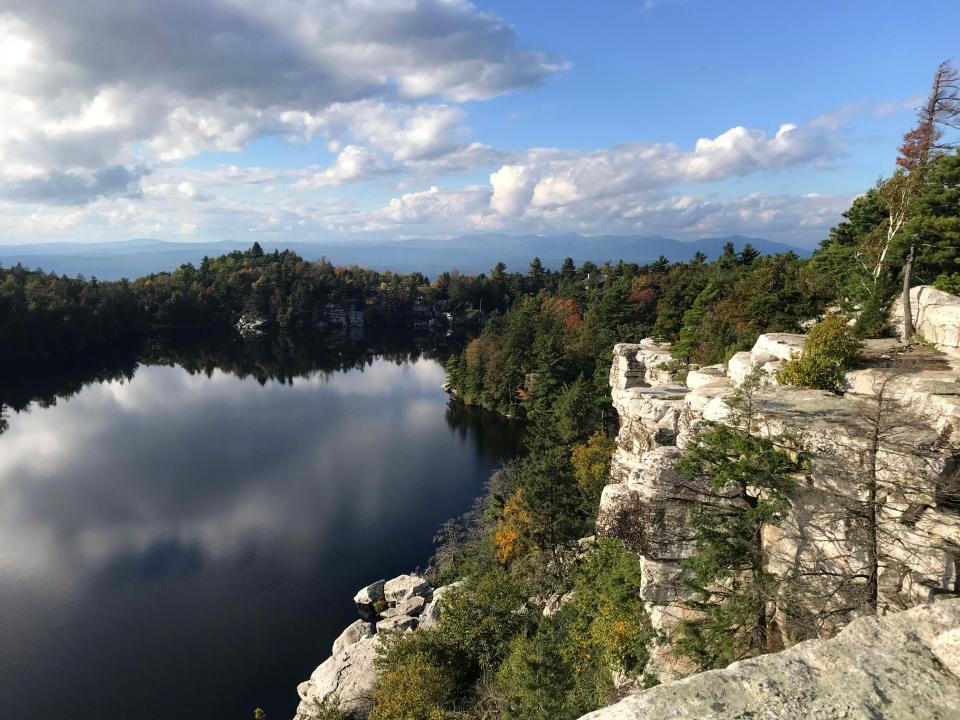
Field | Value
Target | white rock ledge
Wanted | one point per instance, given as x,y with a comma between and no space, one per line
899,667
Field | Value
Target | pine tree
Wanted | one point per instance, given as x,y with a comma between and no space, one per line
743,482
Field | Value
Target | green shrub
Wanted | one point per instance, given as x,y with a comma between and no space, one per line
565,666
412,684
480,619
949,283
831,349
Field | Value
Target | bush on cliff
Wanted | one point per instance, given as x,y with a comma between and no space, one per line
831,348
412,685
430,673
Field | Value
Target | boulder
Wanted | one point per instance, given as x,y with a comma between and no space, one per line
946,647
936,316
354,633
412,605
899,667
709,375
349,677
431,612
781,346
405,586
767,355
367,597
396,623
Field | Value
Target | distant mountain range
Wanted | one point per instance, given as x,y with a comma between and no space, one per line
469,254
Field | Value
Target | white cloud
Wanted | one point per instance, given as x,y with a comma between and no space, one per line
405,132
789,218
552,183
352,164
512,189
104,84
621,189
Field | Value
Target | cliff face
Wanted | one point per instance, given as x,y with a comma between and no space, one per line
897,429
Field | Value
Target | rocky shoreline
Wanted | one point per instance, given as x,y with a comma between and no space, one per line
348,677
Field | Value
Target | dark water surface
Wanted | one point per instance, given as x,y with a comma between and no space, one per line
179,544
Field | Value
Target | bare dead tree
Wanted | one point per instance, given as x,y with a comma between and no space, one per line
942,109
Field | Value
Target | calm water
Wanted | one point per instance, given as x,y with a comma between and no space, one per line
183,543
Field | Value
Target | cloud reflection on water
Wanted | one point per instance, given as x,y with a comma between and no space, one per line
200,514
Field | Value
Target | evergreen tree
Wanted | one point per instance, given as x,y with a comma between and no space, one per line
743,483
535,276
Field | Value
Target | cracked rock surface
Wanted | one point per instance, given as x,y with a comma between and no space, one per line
898,667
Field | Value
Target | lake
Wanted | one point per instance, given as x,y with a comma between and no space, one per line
181,532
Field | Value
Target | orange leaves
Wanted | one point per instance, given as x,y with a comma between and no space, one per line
474,352
644,295
482,351
565,310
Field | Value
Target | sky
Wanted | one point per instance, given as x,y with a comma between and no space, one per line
294,120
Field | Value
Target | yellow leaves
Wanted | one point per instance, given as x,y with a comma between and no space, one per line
412,689
591,464
508,537
514,508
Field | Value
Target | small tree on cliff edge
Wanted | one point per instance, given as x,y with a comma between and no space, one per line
742,482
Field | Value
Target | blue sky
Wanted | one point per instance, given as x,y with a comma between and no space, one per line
347,119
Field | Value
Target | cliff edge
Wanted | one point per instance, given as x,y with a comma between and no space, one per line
905,666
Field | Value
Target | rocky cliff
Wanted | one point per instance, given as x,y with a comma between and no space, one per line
904,666
346,680
895,429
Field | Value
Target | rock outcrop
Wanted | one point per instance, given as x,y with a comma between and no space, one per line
348,677
767,355
905,666
897,427
936,316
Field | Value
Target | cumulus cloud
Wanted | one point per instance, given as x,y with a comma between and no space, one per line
102,101
546,179
352,164
376,138
789,218
406,132
107,83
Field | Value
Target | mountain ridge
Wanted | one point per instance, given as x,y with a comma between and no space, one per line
469,253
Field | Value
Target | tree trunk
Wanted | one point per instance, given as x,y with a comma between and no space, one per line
908,329
870,511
